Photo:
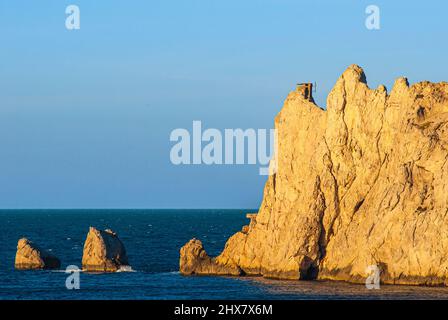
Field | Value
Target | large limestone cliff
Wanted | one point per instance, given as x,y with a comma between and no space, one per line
363,183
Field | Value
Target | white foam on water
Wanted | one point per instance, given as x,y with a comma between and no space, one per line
122,269
65,271
125,269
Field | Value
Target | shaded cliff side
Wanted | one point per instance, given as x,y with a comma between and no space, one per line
363,183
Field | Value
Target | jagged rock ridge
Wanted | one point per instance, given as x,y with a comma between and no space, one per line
363,183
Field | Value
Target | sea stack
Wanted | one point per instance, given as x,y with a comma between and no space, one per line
103,252
363,183
30,256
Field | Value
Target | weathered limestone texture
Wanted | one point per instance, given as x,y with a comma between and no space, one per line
30,256
363,183
103,252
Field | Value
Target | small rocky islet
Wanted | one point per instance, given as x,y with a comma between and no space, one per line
29,256
103,252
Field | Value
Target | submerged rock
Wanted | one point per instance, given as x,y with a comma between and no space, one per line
30,256
362,183
103,252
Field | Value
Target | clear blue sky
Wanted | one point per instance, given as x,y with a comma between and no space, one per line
85,116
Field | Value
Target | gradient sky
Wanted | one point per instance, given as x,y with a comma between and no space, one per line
85,116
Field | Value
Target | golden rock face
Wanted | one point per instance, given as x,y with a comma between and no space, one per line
30,256
103,252
194,260
363,183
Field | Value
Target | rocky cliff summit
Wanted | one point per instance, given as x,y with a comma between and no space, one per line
362,183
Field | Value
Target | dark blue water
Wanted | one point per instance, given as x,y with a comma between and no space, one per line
152,239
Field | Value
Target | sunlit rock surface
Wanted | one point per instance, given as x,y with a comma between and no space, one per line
362,183
103,252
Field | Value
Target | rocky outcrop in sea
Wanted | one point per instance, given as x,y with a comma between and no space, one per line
362,183
103,252
30,256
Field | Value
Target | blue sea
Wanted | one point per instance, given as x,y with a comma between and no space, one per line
152,239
